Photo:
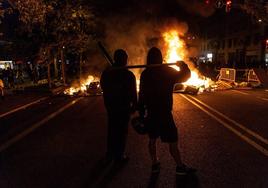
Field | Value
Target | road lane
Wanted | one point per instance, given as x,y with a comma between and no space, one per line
232,125
22,107
16,100
222,158
17,122
66,150
248,110
33,127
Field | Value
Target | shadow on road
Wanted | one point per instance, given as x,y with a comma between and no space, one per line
189,181
103,173
153,180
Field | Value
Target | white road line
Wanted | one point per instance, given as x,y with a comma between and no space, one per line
265,99
21,107
243,93
35,126
226,125
257,136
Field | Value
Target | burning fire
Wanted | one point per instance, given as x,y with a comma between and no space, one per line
176,51
82,87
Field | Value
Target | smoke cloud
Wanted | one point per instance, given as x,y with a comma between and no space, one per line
197,7
139,27
138,37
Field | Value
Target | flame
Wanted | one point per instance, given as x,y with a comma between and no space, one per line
82,87
175,46
176,51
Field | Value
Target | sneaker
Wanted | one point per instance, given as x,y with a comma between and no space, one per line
156,167
184,170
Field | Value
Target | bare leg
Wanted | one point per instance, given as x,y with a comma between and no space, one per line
175,153
152,150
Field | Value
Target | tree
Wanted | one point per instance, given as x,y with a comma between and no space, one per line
57,24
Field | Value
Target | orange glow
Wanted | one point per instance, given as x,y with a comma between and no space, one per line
176,51
175,48
82,87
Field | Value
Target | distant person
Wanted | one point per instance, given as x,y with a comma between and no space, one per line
5,77
2,94
155,100
120,99
11,78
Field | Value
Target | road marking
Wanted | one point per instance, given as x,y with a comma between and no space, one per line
233,121
265,99
36,125
226,125
22,107
243,93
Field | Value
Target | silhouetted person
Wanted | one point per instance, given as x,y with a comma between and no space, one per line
120,98
155,100
11,78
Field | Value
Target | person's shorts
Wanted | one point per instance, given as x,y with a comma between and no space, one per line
161,124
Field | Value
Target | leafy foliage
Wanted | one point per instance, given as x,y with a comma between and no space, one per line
55,23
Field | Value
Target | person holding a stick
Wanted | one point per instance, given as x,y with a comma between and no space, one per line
120,99
155,105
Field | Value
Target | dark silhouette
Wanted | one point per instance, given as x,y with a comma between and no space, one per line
188,181
153,182
155,101
10,78
120,98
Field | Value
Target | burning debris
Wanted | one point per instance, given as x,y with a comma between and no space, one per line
176,51
88,86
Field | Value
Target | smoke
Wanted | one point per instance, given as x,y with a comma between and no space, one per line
197,7
139,26
137,37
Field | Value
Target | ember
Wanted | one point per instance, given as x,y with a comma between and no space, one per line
176,51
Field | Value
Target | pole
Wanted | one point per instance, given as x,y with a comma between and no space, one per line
55,68
80,66
149,66
63,67
49,75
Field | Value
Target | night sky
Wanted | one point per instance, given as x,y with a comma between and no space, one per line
159,8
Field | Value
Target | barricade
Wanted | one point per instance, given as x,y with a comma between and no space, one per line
227,74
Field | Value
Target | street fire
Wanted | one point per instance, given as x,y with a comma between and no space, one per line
83,86
176,51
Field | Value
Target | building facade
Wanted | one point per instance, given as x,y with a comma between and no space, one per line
234,40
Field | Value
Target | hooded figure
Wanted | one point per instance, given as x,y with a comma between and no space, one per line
155,100
120,98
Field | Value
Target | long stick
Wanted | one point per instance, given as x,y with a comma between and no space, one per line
146,66
105,53
110,60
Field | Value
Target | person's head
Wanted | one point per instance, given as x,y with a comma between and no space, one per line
154,56
120,58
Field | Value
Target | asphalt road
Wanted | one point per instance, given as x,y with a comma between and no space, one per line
60,142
